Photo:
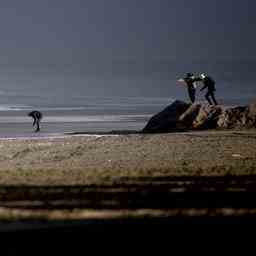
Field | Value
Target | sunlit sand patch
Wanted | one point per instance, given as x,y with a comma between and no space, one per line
44,143
237,155
59,136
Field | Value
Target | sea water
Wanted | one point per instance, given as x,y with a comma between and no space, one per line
93,115
122,98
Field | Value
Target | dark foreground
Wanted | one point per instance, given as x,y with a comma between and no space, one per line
160,213
130,204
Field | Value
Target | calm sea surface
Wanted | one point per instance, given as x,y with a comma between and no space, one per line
92,115
123,99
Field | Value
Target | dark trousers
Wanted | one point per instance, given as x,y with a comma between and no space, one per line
191,93
210,95
36,122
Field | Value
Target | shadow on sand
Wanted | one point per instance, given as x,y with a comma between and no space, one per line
189,199
198,206
159,192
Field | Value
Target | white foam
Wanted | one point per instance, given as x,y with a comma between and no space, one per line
73,119
6,107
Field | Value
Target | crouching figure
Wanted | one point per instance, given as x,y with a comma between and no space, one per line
37,117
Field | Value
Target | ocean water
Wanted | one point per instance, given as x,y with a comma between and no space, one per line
94,115
118,97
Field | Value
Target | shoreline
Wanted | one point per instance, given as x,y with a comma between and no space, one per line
38,136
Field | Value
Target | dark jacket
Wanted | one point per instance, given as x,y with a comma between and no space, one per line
208,83
190,81
36,114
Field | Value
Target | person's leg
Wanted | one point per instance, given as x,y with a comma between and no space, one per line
37,125
207,96
213,98
191,93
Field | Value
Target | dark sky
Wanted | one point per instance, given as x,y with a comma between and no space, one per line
83,38
65,30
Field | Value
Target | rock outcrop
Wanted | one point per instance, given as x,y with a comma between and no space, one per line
180,116
207,117
168,119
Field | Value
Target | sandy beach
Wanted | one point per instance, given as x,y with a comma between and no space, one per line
86,177
98,159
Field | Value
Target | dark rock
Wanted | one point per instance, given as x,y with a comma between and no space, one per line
238,117
233,117
180,116
207,117
188,117
168,119
251,116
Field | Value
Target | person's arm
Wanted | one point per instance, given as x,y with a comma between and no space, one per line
197,79
203,87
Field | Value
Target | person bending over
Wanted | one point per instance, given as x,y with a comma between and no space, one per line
190,80
37,116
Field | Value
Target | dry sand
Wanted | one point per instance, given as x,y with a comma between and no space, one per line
84,160
145,162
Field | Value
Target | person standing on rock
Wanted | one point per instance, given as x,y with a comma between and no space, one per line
190,82
209,83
